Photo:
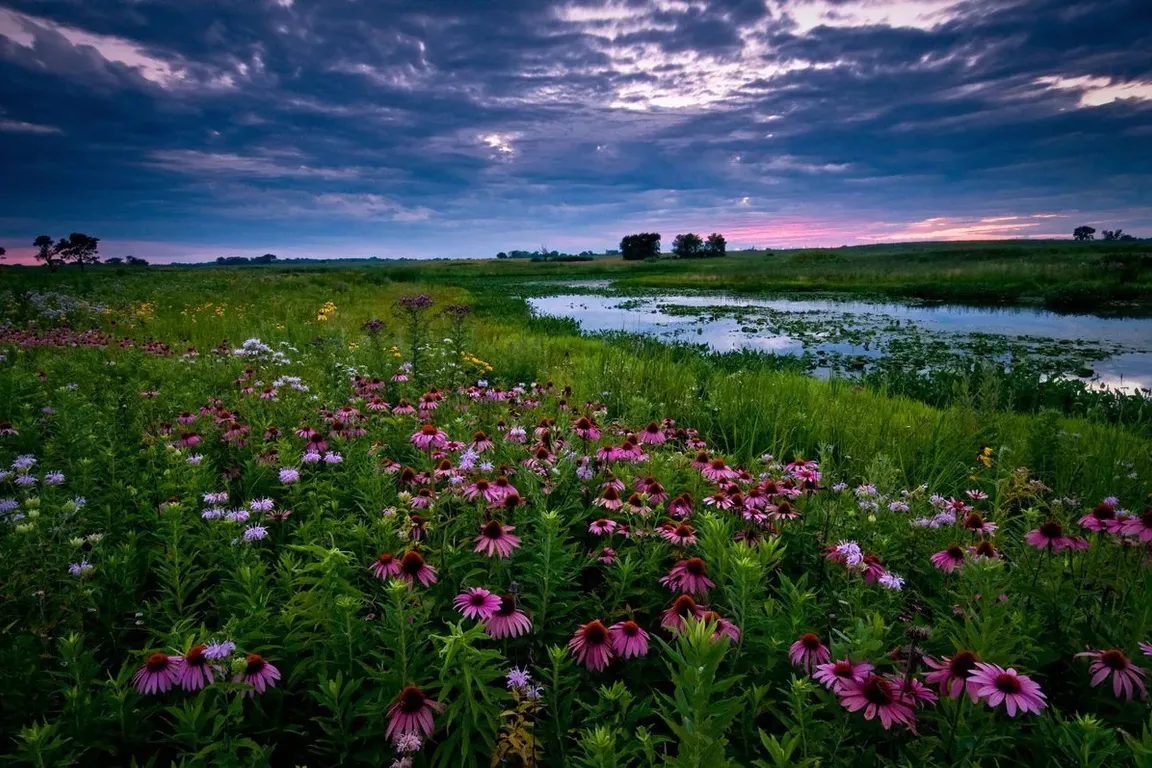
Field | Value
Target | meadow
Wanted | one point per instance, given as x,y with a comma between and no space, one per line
377,516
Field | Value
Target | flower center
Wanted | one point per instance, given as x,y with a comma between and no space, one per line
411,700
717,464
1114,659
157,662
962,663
255,664
696,567
1007,683
494,530
428,430
843,669
479,437
955,552
684,530
985,549
1104,512
385,559
652,428
630,628
877,691
507,606
1146,518
974,521
595,633
810,641
412,563
195,656
684,606
1051,530
478,599
610,494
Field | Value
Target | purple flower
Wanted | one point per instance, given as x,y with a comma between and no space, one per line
81,569
216,498
518,678
238,515
288,475
23,461
333,458
311,457
25,480
255,533
262,505
54,478
195,459
221,650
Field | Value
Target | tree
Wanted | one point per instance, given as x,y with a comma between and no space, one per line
716,245
2,252
1113,234
645,245
688,246
46,252
134,261
80,248
268,258
114,261
1083,233
501,255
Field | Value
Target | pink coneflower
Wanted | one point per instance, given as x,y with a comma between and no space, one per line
586,428
681,535
628,639
195,672
477,603
877,695
613,482
976,523
952,674
1051,534
428,437
681,608
783,511
1126,676
997,685
681,506
984,549
385,567
914,692
508,620
188,439
701,461
481,442
808,652
1140,527
689,576
258,673
836,674
159,673
950,559
724,628
717,471
607,556
482,489
501,487
609,499
403,408
603,526
636,506
413,569
1102,518
590,645
652,434
411,715
496,539
873,569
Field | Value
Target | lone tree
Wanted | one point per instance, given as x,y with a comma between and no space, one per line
79,248
268,258
1084,233
136,261
46,252
688,246
2,251
716,245
645,245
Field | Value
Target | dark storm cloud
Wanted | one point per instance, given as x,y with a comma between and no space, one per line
452,127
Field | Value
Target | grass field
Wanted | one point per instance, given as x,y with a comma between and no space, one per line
830,521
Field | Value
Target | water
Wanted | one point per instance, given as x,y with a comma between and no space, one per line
793,326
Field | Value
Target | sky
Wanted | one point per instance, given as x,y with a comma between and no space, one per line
185,131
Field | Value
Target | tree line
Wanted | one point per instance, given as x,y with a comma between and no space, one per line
646,245
1085,233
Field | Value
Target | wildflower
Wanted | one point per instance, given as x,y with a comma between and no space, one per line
997,686
636,506
411,714
54,478
607,556
717,471
195,672
261,505
195,459
603,526
950,559
428,437
519,678
331,457
847,552
1051,535
834,675
808,652
1103,518
407,744
496,539
984,549
413,569
159,673
723,627
976,523
586,429
481,442
681,608
877,695
508,620
681,535
255,533
288,475
628,639
609,499
1146,648
1140,527
1125,674
257,673
477,603
310,457
652,434
81,569
891,581
952,674
681,506
219,651
590,645
689,576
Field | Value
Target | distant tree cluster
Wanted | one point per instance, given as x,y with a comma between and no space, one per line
77,248
645,245
544,253
692,246
228,261
1085,233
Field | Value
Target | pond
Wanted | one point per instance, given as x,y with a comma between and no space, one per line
851,335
